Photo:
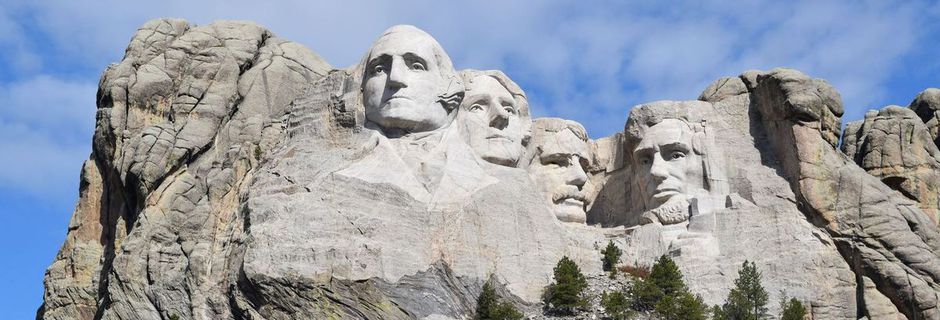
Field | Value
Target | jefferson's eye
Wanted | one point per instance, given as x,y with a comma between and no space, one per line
677,155
418,66
476,108
378,69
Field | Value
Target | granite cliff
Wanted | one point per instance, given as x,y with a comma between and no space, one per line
237,175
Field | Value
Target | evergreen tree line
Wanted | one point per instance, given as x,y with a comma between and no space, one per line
662,293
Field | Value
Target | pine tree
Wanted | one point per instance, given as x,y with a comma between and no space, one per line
665,279
682,306
567,292
748,299
666,276
490,308
644,295
611,257
665,293
486,301
616,305
792,310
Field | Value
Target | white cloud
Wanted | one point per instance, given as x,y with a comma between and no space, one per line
587,62
38,164
46,125
13,43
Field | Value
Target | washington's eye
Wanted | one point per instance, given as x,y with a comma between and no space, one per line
677,155
378,69
418,66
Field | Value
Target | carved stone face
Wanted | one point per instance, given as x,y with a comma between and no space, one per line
402,82
667,168
490,123
559,172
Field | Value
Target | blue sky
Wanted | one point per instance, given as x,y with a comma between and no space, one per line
588,63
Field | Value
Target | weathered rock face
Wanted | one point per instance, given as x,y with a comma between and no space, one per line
894,145
927,106
885,237
236,175
181,123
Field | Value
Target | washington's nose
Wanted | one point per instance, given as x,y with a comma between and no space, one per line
397,74
658,168
499,118
576,175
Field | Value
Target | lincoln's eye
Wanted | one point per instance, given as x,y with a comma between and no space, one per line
645,160
510,110
418,66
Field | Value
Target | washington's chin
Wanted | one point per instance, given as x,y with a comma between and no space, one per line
570,210
501,157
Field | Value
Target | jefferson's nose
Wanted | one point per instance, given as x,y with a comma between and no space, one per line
499,118
398,73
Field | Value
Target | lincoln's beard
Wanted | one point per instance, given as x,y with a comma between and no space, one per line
675,210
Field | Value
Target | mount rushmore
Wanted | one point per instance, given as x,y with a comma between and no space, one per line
237,175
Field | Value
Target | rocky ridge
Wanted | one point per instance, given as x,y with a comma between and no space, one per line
237,175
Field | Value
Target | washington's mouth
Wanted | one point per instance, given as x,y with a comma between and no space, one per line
571,200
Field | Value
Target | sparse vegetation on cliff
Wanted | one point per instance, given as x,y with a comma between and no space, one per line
566,294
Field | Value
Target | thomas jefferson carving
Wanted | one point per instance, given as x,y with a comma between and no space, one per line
494,117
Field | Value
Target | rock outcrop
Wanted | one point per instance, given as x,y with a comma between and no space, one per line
181,122
894,145
236,175
927,106
884,236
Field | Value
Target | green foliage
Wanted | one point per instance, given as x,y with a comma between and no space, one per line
645,295
616,305
490,308
718,313
567,292
682,306
665,293
792,310
666,276
748,299
611,257
664,279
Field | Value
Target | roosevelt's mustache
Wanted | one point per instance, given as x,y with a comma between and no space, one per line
568,192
